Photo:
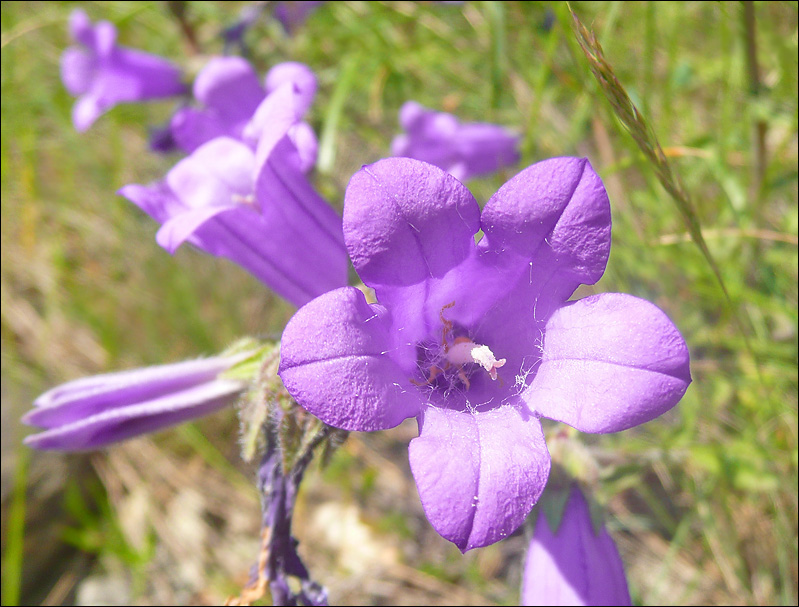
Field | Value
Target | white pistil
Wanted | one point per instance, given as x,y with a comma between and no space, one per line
465,351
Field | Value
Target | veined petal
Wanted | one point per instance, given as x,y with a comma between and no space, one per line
574,565
116,424
559,205
406,221
182,227
409,226
338,359
550,228
609,362
478,475
89,396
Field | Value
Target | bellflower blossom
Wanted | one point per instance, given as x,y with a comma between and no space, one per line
93,412
256,208
103,74
464,150
228,92
574,565
478,341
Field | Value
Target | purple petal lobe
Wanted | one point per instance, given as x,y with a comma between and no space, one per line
302,79
89,396
609,362
230,86
191,127
216,174
119,423
557,207
406,221
80,27
77,70
478,475
336,361
182,227
573,566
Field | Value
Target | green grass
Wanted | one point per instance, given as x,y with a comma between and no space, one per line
703,500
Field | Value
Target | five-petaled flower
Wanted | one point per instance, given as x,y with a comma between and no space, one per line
574,564
93,412
464,150
478,340
104,74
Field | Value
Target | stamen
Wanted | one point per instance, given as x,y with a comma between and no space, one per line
465,351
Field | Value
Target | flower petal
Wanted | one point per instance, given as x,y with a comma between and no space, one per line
214,175
180,228
77,70
157,200
89,396
229,86
192,127
155,77
301,77
559,208
86,110
408,225
117,424
609,362
478,475
573,566
406,221
339,361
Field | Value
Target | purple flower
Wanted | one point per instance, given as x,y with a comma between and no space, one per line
575,564
95,411
256,208
478,341
104,74
293,14
463,150
228,92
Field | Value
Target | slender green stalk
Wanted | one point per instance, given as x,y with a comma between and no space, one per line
14,533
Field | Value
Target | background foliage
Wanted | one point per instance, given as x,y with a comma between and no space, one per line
703,502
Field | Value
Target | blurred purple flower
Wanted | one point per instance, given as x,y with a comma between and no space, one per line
293,14
479,340
103,74
228,92
574,565
463,150
256,208
93,412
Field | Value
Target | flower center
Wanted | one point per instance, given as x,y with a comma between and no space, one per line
449,364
